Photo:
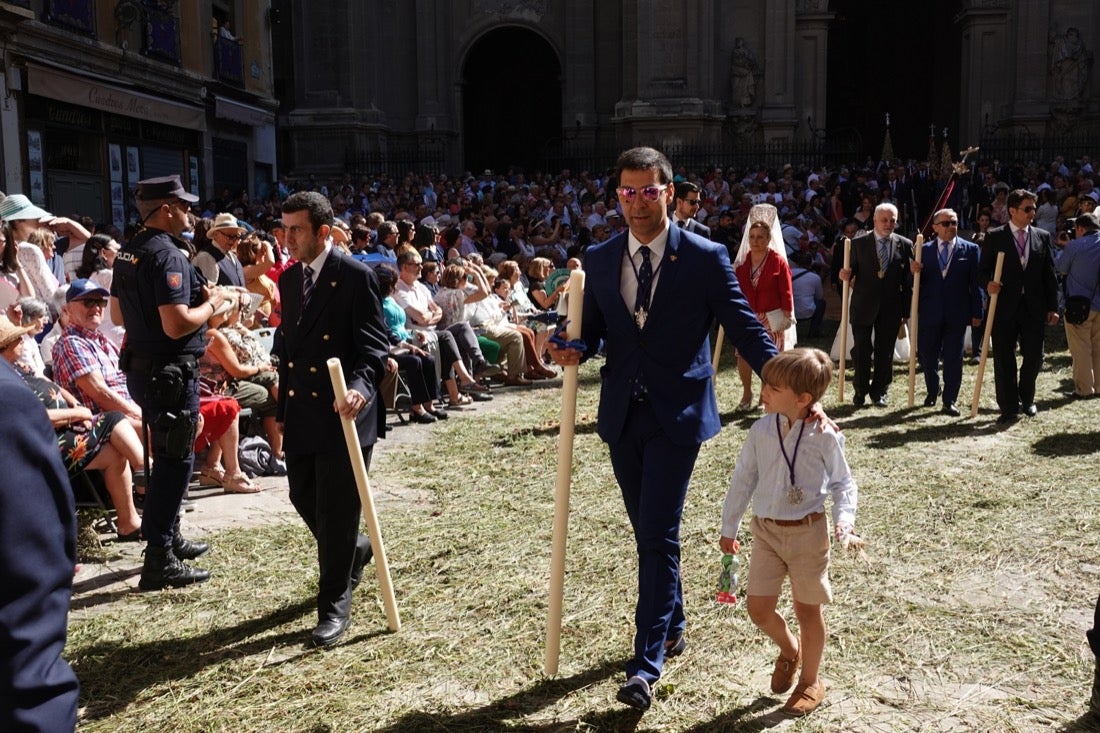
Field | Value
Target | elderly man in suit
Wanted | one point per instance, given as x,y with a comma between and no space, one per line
686,202
882,288
38,690
331,308
1026,304
950,300
652,295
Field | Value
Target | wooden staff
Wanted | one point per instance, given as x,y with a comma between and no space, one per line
717,349
845,294
355,452
565,472
913,320
985,336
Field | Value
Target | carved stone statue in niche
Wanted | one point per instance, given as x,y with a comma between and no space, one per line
1070,67
743,72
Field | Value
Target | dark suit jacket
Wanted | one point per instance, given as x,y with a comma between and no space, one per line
893,293
696,285
1030,293
38,690
343,320
695,227
954,299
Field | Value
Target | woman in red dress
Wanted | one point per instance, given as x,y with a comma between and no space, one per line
765,279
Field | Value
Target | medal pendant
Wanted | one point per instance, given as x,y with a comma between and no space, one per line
795,495
881,274
639,317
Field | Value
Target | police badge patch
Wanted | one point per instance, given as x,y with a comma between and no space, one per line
175,279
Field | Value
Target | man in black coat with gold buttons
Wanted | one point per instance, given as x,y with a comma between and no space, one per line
331,308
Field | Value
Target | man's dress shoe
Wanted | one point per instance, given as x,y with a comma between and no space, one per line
1031,410
880,401
930,400
330,631
950,409
859,399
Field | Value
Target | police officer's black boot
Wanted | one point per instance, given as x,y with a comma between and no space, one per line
162,568
187,549
1094,701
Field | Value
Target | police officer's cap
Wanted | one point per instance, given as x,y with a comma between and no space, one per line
159,189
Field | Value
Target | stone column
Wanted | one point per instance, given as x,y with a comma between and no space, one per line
778,114
435,71
670,45
984,93
1031,47
811,58
578,110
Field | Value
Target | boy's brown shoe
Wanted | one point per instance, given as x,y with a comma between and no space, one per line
785,672
805,699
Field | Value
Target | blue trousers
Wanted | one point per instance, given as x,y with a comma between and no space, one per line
653,474
936,339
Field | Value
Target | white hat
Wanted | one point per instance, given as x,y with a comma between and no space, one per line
18,207
225,223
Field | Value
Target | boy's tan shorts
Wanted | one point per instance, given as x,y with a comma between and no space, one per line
802,552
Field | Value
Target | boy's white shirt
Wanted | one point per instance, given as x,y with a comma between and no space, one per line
762,475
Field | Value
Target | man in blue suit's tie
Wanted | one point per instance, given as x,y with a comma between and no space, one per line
950,300
651,295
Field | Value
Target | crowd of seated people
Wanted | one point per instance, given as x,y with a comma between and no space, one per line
468,257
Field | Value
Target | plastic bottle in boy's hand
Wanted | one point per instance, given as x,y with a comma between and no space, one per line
727,580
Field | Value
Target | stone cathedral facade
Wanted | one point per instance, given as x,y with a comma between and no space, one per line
487,83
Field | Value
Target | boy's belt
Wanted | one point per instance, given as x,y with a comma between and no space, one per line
808,519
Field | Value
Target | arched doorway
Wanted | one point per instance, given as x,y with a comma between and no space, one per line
871,73
511,100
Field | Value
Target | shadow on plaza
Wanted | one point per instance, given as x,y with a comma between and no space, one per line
112,673
502,714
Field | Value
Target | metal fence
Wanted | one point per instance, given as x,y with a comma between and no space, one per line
1021,146
831,153
396,160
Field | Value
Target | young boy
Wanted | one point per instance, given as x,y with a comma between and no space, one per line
787,466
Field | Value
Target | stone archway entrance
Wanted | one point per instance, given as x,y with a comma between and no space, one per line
511,100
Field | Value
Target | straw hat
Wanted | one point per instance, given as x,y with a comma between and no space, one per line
9,332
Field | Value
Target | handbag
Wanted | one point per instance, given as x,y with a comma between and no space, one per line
1077,309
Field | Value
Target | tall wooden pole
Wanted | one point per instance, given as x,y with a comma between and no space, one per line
985,336
567,422
913,311
355,452
845,294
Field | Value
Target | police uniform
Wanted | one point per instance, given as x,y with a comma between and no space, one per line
162,375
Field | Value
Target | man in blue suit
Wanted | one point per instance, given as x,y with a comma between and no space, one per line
651,295
38,690
331,309
950,300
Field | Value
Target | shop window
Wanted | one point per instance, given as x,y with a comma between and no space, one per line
74,15
161,34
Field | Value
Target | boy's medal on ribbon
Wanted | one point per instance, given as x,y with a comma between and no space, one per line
795,494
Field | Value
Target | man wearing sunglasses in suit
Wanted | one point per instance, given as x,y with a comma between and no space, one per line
651,295
1026,304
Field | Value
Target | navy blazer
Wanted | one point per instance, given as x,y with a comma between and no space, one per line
343,320
891,294
956,298
696,285
38,690
1035,289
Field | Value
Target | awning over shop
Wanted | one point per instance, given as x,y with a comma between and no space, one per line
98,94
246,114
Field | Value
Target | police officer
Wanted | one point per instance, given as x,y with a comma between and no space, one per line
165,304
